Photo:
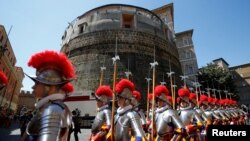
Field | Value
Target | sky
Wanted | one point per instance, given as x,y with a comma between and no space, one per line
221,27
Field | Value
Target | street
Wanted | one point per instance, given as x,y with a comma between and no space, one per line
13,133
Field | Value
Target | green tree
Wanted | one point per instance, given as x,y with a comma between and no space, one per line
215,77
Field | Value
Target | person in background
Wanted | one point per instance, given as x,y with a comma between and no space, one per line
75,126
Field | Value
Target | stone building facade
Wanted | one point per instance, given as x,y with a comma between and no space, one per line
221,63
241,76
26,99
136,33
9,94
187,56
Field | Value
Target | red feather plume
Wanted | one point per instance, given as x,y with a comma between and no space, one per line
227,101
161,89
170,99
137,95
210,100
203,98
192,96
216,100
3,78
52,60
68,88
104,90
222,101
234,102
124,83
150,97
178,100
183,92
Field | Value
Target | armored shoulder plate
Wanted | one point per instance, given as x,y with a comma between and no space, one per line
51,122
103,116
202,114
126,122
143,118
167,121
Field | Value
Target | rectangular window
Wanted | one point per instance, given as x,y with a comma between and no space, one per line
82,27
185,42
127,21
190,41
190,69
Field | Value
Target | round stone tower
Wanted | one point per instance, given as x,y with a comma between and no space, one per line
91,39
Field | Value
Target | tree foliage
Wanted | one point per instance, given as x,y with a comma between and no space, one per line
215,77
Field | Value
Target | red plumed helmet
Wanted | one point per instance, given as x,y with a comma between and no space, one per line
222,101
170,99
124,88
3,78
234,102
227,101
210,100
216,101
178,100
183,92
192,96
161,92
103,94
230,101
52,68
104,90
150,97
68,88
203,99
137,95
161,89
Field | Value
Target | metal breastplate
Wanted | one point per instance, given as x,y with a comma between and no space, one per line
51,123
167,121
226,113
215,115
143,118
202,114
102,117
126,121
209,114
186,116
220,113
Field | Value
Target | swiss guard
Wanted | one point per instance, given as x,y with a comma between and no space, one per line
168,124
53,118
3,80
127,122
189,116
203,103
193,100
221,112
102,121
